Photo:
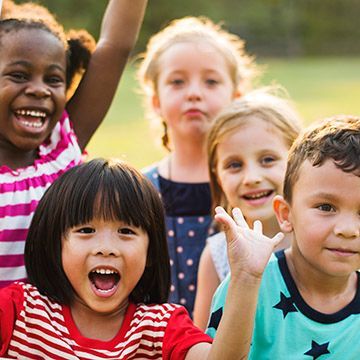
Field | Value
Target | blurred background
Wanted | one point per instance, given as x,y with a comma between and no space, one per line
311,47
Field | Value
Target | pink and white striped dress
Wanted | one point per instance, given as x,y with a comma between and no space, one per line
21,190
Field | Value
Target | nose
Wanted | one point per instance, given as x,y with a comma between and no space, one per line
252,175
194,92
348,226
38,89
107,245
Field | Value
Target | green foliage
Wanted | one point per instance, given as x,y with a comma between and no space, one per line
270,27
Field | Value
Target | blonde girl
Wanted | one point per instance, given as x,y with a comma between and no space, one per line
189,72
247,148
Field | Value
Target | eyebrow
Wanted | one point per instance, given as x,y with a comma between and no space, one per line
28,64
325,195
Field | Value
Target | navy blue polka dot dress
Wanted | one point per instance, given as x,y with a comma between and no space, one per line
187,207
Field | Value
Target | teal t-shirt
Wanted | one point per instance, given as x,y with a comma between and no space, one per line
287,328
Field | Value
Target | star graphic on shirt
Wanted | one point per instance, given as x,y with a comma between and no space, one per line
317,349
285,304
215,318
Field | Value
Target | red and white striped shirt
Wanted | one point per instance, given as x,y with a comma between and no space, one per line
21,190
33,327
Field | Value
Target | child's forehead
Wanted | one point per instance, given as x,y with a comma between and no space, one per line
326,177
31,37
33,44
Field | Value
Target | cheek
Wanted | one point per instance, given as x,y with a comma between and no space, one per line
229,185
218,103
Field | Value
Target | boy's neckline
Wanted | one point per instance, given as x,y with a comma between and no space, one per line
353,307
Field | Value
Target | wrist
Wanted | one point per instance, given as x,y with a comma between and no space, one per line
245,278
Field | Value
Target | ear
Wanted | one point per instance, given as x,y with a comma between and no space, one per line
239,90
283,214
155,102
237,94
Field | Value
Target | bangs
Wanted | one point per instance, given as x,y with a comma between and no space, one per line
108,194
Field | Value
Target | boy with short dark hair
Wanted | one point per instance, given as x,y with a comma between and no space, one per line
304,303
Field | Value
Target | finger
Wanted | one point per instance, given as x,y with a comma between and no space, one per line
239,218
278,238
226,220
258,227
223,217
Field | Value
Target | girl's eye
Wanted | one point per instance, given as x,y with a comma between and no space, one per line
55,80
85,230
211,82
126,231
177,82
267,160
19,76
234,165
326,207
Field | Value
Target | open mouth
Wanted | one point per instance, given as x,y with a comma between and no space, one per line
104,280
34,119
258,195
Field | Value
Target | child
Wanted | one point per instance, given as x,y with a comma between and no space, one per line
305,303
99,276
37,140
247,149
190,71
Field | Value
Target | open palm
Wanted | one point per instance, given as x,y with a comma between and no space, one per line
249,250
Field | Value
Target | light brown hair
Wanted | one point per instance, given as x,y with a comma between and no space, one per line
263,104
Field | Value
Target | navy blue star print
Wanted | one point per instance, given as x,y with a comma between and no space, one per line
215,318
317,349
285,304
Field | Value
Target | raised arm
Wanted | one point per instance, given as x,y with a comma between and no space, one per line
249,252
92,99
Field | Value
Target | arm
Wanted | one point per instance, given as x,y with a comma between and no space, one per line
93,97
207,282
249,252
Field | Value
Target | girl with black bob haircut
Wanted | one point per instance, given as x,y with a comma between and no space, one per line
98,189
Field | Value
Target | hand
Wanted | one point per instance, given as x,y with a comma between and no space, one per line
249,250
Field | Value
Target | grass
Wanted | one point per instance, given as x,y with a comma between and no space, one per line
320,87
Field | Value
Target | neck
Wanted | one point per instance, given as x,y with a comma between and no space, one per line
323,292
186,165
95,325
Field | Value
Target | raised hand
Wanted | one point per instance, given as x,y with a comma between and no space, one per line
249,250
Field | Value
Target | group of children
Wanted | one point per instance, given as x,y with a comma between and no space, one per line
112,270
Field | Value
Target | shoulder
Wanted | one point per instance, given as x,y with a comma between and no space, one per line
217,249
152,173
217,244
180,333
157,312
11,294
62,142
149,168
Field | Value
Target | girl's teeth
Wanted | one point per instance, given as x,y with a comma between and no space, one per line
33,113
104,271
258,195
33,124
